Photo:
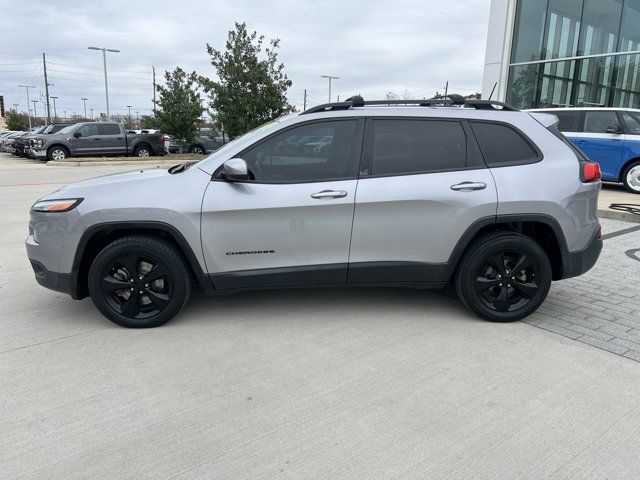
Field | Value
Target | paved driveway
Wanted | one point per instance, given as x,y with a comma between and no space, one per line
330,383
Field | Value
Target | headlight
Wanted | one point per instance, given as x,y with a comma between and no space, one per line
62,205
38,142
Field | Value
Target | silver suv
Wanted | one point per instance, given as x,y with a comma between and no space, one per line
468,194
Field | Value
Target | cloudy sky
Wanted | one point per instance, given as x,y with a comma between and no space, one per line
373,46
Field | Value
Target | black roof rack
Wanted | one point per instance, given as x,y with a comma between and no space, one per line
449,100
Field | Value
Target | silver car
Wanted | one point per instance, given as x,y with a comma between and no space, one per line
466,194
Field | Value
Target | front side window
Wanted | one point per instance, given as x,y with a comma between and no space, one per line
598,122
308,153
417,146
502,146
88,130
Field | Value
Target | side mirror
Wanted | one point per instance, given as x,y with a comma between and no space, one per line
77,135
235,170
613,129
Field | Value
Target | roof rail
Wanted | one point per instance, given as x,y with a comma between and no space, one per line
449,100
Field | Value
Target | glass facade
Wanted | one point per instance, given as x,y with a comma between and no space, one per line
545,30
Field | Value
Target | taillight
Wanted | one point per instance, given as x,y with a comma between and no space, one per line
591,172
161,138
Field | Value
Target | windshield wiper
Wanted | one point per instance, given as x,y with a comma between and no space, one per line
180,167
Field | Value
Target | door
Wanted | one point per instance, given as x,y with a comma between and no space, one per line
423,184
600,145
112,137
291,224
88,142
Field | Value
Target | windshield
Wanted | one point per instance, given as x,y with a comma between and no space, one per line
66,129
247,137
38,130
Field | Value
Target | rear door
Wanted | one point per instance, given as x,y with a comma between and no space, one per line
422,184
598,144
291,224
112,137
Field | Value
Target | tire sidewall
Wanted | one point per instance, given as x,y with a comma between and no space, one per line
624,178
140,149
177,277
478,257
53,149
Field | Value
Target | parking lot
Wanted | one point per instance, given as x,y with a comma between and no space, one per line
328,383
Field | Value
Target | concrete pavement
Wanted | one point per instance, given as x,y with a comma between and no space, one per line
328,383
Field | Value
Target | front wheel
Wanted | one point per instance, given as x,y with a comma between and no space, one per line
197,149
631,178
139,281
503,277
57,153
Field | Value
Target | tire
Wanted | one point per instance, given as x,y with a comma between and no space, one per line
57,153
197,149
142,151
142,299
631,177
487,266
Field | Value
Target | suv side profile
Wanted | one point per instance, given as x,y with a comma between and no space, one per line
608,136
428,194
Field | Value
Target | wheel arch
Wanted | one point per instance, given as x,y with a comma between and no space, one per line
143,144
624,166
61,145
95,238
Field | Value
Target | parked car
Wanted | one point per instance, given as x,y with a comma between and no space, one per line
6,136
21,142
609,136
8,143
202,144
492,201
95,138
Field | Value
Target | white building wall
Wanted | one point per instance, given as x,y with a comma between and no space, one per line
498,52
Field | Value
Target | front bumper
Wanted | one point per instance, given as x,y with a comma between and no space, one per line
577,263
59,282
37,153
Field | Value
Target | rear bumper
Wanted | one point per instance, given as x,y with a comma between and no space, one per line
577,263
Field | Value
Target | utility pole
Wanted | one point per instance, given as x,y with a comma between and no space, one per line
304,102
65,116
35,111
91,109
129,107
46,87
55,113
137,120
104,62
446,88
154,89
329,77
28,109
84,100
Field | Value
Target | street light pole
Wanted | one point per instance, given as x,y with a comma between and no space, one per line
91,109
129,107
55,113
28,109
104,61
35,110
84,100
329,77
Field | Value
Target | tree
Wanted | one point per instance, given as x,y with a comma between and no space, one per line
149,121
16,121
251,86
179,104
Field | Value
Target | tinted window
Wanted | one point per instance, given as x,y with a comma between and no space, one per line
632,121
502,145
569,121
88,130
313,152
108,129
414,146
597,122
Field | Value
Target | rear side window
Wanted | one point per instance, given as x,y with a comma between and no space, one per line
417,146
632,121
502,146
598,122
108,129
569,121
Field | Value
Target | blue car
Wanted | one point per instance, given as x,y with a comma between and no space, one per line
609,136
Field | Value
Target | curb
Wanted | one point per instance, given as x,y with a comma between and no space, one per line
616,215
149,163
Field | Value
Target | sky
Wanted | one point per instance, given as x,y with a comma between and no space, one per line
405,46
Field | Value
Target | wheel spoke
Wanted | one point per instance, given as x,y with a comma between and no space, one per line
158,271
160,300
130,263
483,283
527,289
111,284
524,262
497,261
131,307
502,302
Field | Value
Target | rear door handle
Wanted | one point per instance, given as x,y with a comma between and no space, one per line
469,186
329,194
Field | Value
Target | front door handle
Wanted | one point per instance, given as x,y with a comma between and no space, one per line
469,186
329,194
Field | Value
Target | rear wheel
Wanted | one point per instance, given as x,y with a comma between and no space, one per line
503,277
631,177
142,151
139,282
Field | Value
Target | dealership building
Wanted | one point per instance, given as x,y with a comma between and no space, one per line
563,53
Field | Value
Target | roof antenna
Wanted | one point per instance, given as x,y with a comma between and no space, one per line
492,90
